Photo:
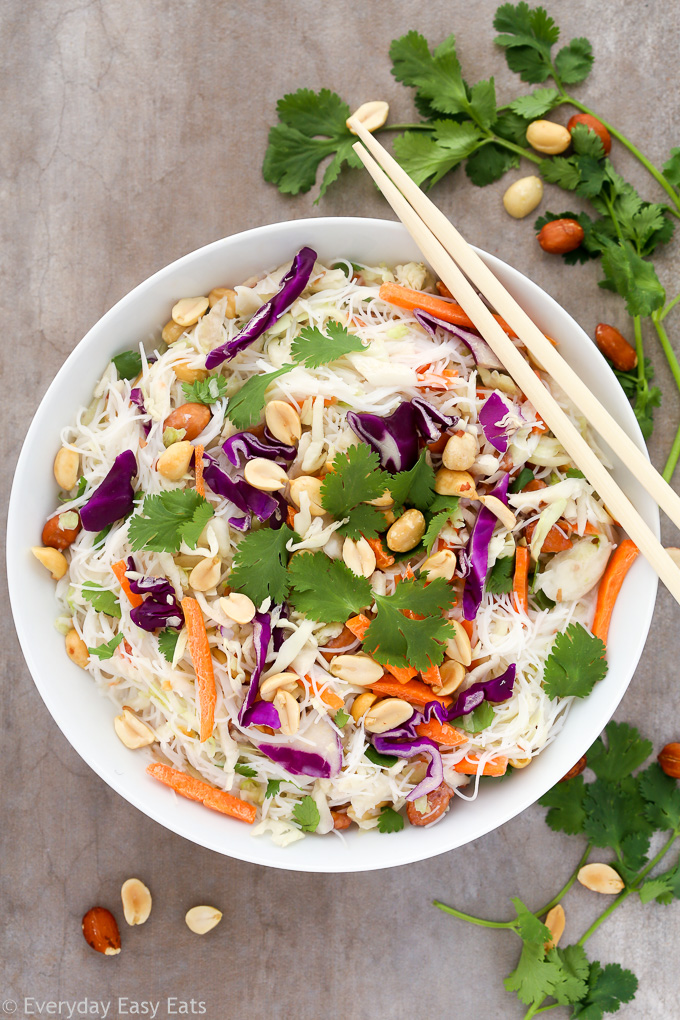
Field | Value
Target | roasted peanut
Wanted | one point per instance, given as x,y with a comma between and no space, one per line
546,136
555,922
382,501
136,900
202,919
593,124
372,115
57,537
217,293
283,421
277,682
669,760
312,486
441,564
171,332
237,607
289,711
500,510
174,463
52,559
131,731
560,236
460,452
523,196
359,557
193,418
436,804
206,573
341,819
459,646
601,878
452,673
386,714
615,347
455,483
361,705
575,770
76,649
66,468
188,311
406,531
359,669
101,931
186,374
265,474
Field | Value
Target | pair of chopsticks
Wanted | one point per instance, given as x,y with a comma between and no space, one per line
459,266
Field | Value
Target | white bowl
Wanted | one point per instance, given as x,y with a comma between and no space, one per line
85,717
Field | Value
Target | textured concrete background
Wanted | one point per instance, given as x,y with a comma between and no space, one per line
133,133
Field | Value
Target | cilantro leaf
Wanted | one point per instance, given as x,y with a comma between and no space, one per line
341,718
443,509
499,579
525,476
534,977
245,770
273,787
356,478
624,752
168,519
642,396
101,599
395,639
385,761
306,814
106,650
363,521
536,104
244,409
477,720
430,156
671,168
634,279
615,818
566,802
663,888
575,664
561,170
259,569
488,164
390,820
527,37
312,127
415,486
325,589
167,642
574,970
608,987
128,364
663,798
206,391
574,62
315,348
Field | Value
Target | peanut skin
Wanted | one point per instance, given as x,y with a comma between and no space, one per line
615,347
437,803
560,236
595,125
340,820
53,535
193,418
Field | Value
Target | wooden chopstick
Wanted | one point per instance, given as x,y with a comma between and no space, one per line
536,343
562,427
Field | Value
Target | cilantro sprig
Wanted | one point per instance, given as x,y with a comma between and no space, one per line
260,565
101,599
206,391
575,664
325,589
355,479
398,640
620,810
168,519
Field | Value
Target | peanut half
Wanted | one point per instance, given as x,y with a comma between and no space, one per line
136,901
76,649
386,714
555,922
523,196
283,421
188,311
202,919
52,559
131,731
549,137
359,557
66,468
372,115
359,669
600,878
265,475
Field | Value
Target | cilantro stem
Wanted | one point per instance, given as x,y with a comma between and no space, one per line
520,150
641,378
420,126
671,304
534,1011
657,318
673,456
471,919
568,884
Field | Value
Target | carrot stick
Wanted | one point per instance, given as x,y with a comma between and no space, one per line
198,469
290,516
441,733
620,562
358,625
119,569
469,766
520,582
202,660
344,638
328,696
414,691
382,559
403,297
196,789
555,540
432,676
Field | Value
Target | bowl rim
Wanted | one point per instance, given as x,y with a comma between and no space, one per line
136,795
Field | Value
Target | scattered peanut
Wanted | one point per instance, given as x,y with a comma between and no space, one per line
283,421
406,531
372,115
523,196
203,919
55,561
452,673
289,711
500,510
237,607
312,486
459,646
277,682
174,463
193,418
206,573
600,878
136,901
555,922
217,293
361,705
669,760
188,311
454,483
185,373
593,124
575,770
441,564
359,669
382,501
615,347
101,931
460,452
76,649
359,557
66,468
560,236
131,731
171,332
265,474
546,136
386,714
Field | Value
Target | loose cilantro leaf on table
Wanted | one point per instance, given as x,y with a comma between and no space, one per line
306,814
643,397
535,105
575,664
167,643
325,589
101,599
397,640
314,348
624,751
106,650
168,519
356,478
245,407
128,364
566,802
608,987
528,36
499,579
206,391
390,820
427,157
259,569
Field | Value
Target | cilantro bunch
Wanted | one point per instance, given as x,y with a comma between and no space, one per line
619,811
465,124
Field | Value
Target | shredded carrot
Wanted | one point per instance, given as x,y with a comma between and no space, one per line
555,540
468,626
414,691
469,766
441,733
439,444
119,569
202,660
290,516
590,529
520,583
432,676
328,696
436,380
358,625
198,469
344,638
382,559
403,673
404,297
620,562
196,789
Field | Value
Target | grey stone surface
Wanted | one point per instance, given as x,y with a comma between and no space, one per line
133,132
